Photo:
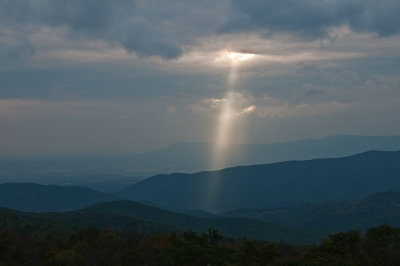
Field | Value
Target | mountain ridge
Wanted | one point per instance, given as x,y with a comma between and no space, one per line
132,217
376,209
261,185
38,198
186,157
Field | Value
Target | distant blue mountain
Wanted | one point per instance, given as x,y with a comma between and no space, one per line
273,185
194,157
111,173
40,198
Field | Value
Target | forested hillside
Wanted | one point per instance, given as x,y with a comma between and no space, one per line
273,185
381,208
40,198
93,246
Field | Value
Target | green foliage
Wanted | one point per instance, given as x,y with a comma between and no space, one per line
94,246
67,258
382,246
379,246
252,253
194,249
338,249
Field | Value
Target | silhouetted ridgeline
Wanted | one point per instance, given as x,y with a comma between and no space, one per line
273,185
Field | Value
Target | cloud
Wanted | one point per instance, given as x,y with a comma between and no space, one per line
167,28
285,110
147,28
248,110
238,103
273,108
307,66
15,46
314,18
213,105
268,107
22,108
170,109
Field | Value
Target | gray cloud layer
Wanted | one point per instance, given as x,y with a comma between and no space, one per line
145,27
313,18
164,27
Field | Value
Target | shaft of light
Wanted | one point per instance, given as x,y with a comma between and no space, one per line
224,131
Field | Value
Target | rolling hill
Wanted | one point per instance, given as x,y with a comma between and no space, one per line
273,185
301,224
123,214
127,216
39,198
377,209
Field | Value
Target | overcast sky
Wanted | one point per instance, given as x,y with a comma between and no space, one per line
125,76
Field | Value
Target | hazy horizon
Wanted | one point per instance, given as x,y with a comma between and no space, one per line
129,76
134,152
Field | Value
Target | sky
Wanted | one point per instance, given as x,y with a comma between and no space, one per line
127,76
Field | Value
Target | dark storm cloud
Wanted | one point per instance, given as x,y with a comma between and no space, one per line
313,18
163,28
145,27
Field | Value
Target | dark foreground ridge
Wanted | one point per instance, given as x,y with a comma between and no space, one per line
132,217
93,246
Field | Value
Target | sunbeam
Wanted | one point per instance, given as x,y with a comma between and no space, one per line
224,133
239,57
